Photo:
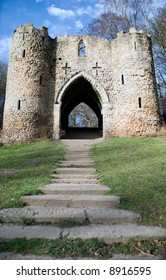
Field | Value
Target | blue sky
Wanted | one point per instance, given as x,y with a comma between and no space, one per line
60,16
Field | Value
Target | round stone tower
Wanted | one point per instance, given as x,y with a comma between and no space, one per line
27,112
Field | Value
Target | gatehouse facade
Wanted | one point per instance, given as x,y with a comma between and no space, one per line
48,77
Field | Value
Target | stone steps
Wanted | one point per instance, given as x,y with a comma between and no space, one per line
74,189
76,158
108,234
53,215
75,181
76,196
76,163
72,201
74,171
73,176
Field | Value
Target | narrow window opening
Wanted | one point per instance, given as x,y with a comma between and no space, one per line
43,40
135,46
19,104
40,80
122,79
140,102
23,53
81,49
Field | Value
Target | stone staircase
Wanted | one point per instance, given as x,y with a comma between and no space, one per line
75,195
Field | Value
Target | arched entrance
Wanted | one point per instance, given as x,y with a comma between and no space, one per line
80,88
78,92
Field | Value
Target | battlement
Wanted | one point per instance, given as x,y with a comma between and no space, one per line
133,33
30,30
30,33
132,30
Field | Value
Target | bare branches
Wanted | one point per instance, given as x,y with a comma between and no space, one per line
3,77
120,15
157,27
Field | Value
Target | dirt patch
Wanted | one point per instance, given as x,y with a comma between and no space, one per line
7,172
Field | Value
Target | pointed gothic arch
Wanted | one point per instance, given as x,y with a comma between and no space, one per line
98,88
82,87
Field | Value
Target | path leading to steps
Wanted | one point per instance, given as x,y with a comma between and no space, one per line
76,195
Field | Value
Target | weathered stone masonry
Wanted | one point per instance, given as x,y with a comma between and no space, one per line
48,77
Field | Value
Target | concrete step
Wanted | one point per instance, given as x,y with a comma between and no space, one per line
76,170
74,189
72,201
77,158
75,181
78,152
40,214
76,163
73,176
108,234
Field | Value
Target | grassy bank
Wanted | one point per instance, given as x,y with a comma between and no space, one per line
135,170
78,249
25,167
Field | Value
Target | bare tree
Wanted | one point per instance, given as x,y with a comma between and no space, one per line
3,77
157,28
120,15
106,25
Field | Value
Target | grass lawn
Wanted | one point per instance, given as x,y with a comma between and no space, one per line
135,170
77,249
25,167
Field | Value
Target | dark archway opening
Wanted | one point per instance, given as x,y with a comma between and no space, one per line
78,93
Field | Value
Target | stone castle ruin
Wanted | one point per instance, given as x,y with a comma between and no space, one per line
48,78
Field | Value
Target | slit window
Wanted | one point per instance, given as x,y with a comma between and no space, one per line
81,49
40,80
122,79
139,102
135,46
19,104
23,53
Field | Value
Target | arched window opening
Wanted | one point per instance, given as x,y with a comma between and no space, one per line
82,116
81,49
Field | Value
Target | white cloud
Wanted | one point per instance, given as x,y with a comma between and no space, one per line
85,11
59,30
79,24
47,23
61,13
93,11
100,8
5,44
38,1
